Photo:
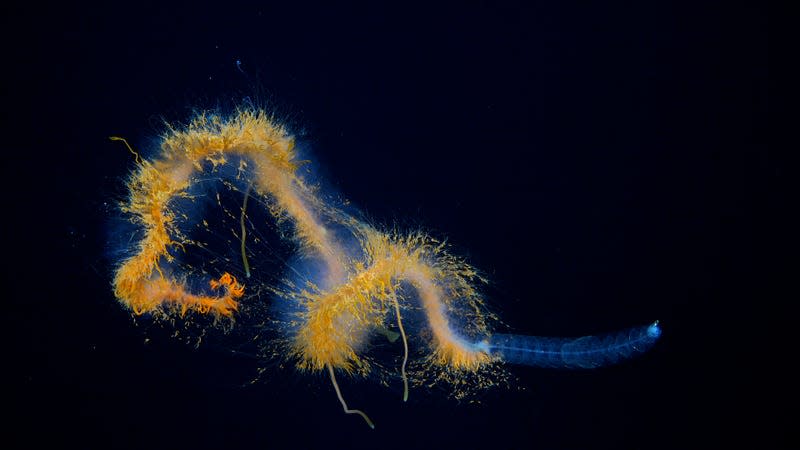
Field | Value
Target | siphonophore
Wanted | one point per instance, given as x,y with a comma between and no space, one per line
198,247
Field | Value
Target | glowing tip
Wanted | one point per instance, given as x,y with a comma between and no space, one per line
654,330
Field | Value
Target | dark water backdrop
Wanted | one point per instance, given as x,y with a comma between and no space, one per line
606,164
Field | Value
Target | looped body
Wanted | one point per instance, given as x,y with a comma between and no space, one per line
353,295
364,281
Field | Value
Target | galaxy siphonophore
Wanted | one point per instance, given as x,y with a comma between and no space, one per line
347,282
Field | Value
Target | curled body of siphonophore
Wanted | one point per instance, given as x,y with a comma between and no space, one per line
346,283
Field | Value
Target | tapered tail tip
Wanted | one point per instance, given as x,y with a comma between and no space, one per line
654,331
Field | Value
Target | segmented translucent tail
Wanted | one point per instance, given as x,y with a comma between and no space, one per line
574,353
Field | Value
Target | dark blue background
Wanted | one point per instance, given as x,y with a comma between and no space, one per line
606,164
